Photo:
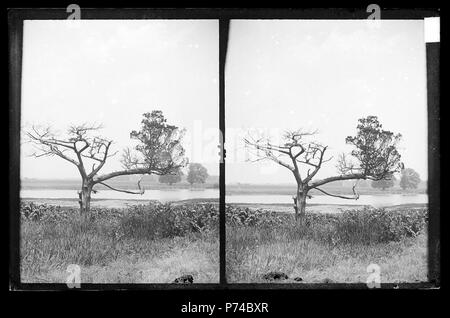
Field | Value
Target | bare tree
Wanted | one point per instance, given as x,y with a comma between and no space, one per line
159,151
375,157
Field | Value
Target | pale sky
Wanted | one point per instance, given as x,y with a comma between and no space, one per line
325,75
113,71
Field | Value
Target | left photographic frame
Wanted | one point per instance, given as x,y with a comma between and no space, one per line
114,169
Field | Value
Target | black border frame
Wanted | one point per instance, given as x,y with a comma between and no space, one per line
15,36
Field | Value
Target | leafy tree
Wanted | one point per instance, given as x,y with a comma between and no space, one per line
158,151
409,179
171,178
383,184
197,173
374,157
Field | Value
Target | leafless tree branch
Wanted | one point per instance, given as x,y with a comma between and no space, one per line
141,189
355,197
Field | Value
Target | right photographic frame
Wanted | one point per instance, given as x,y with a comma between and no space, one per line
332,138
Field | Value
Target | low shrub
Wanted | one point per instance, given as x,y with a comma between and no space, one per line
365,226
139,221
238,216
166,220
380,225
54,213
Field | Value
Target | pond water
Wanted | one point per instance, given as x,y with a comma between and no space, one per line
160,195
186,194
373,200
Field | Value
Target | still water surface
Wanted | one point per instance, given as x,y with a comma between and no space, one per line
186,194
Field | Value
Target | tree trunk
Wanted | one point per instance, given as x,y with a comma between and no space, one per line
300,204
85,197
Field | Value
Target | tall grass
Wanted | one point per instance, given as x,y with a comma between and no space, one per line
158,242
326,246
53,237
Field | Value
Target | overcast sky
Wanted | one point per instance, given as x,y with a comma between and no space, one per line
325,75
113,71
280,74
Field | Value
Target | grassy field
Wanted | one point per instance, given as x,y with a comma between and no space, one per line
156,243
328,248
153,243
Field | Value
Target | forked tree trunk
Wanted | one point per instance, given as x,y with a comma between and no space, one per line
85,197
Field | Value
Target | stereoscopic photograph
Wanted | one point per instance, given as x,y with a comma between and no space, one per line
224,149
119,168
326,178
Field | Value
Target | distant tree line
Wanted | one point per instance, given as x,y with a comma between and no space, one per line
409,179
197,173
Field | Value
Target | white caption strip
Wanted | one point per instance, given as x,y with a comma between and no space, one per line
432,30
